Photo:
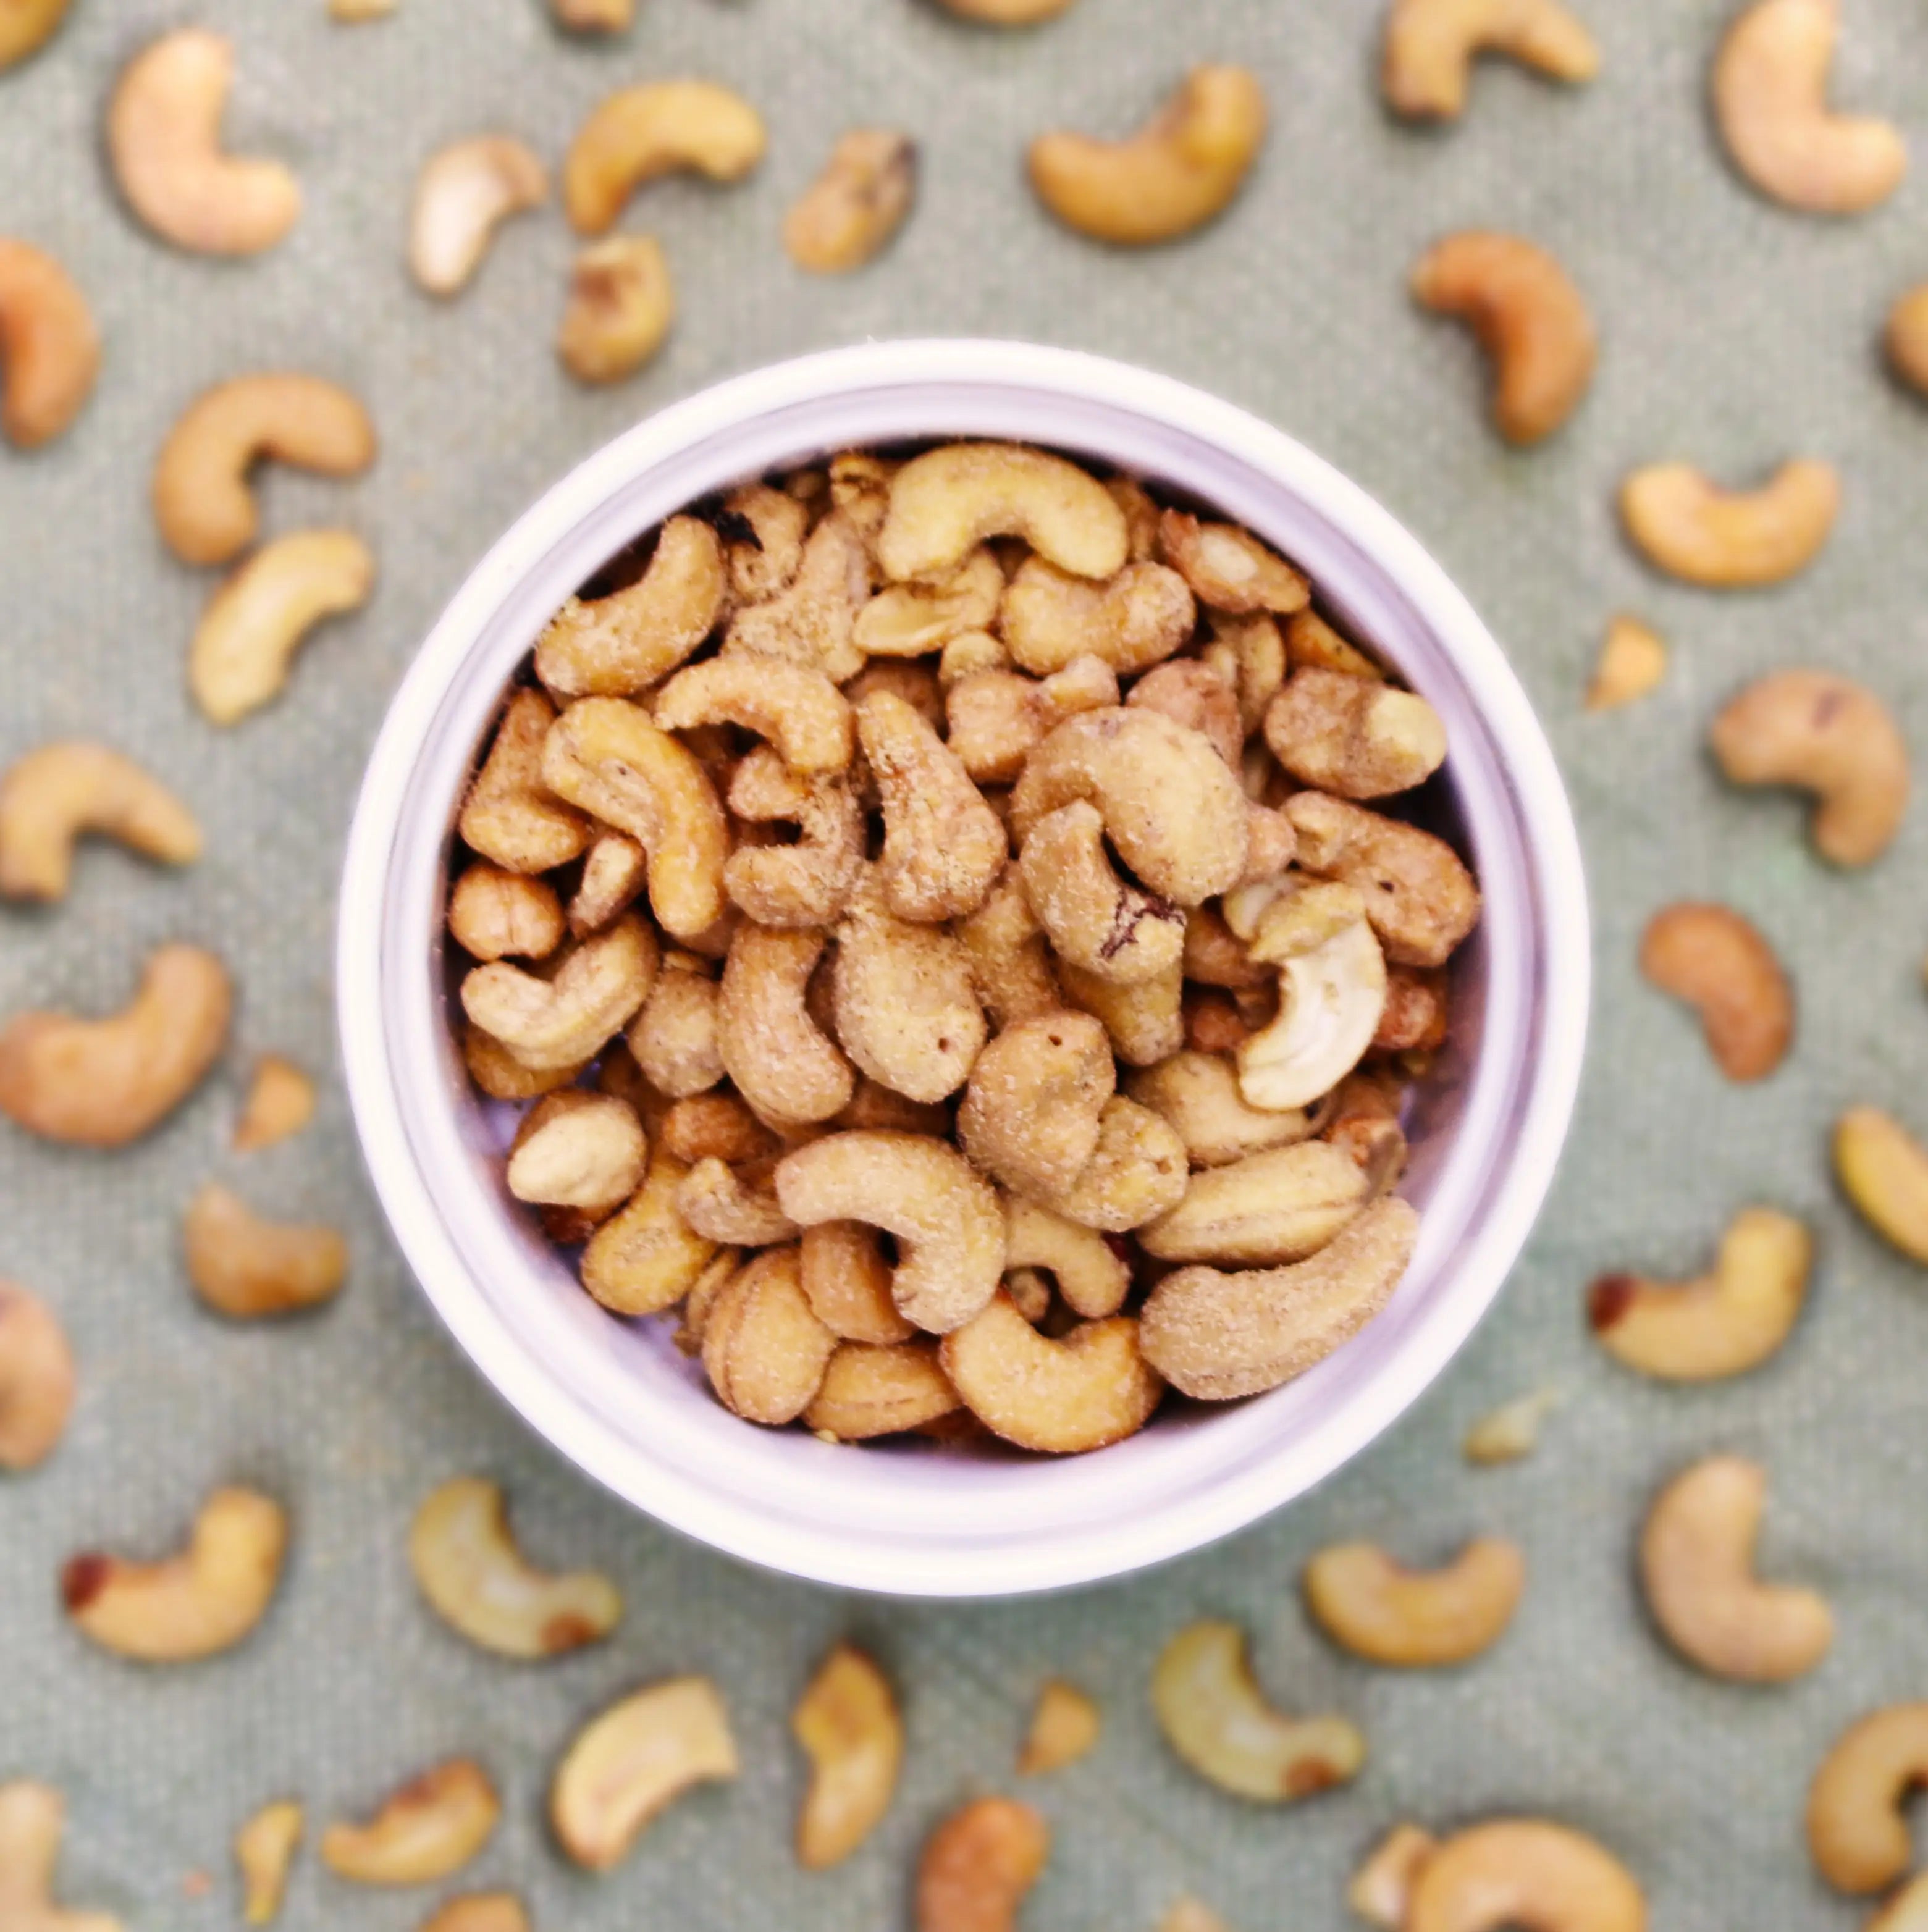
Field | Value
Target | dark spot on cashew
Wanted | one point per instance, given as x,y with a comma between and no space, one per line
1610,1298
83,1578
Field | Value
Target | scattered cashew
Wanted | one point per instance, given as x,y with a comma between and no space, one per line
943,845
49,348
1905,338
856,204
1523,1871
431,1826
1631,663
1008,13
246,1266
764,1349
782,1063
593,17
53,795
353,13
869,1389
509,816
977,1865
494,914
1415,1619
1065,1726
1419,897
639,132
462,193
562,1022
36,1380
479,1912
621,304
1379,1890
27,25
1724,539
1856,1831
1710,957
847,1723
32,1818
909,620
264,1849
907,1013
1430,44
1511,1431
645,1258
1884,1171
280,1104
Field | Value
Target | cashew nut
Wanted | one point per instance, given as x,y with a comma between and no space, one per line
499,1074
1523,1871
509,816
1138,1171
32,1817
1065,1726
1631,663
1204,698
1228,568
462,193
1094,919
715,1126
1331,1001
645,1258
1008,13
102,1083
53,795
1724,539
1215,1716
1267,1208
163,140
847,1723
578,1156
494,914
203,1600
737,1209
812,621
1032,1112
1092,1279
847,1282
562,1022
244,645
629,1762
1198,1094
1009,960
246,1266
1883,1171
1829,736
804,884
264,1849
1380,1887
909,620
1419,898
27,25
1907,1911
639,132
1310,639
852,209
997,718
798,709
430,1827
36,1382
771,1047
1178,172
479,1912
1710,957
978,1864
869,1389
674,1036
1722,1323
49,348
764,1349
280,1104
1511,1431
621,304
1905,338
1430,44
1415,1619
763,529
1855,1827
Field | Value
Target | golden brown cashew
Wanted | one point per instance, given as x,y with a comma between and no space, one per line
1415,1619
1144,1019
1856,1832
1353,736
1136,1173
847,1281
1331,998
764,545
807,883
1205,699
1094,919
907,1012
674,1036
36,1379
1882,1169
614,870
1009,960
1907,1911
1829,736
205,1600
1036,1101
593,17
53,795
639,132
781,1062
645,1258
997,718
910,620
869,1390
1092,1278
479,1912
1176,173
621,305
1697,1566
578,1156
508,815
1631,663
500,1075
1523,1871
978,1864
1198,1094
633,1760
1419,897
244,645
1722,1323
1430,44
1380,1888
563,1020
1228,568
1769,86
1528,316
1215,1717
464,192
764,1349
1905,338
813,620
798,709
49,348
264,1849
847,1723
1008,13
1064,1727
943,845
494,914
246,1266
27,25
1724,539
280,1104
856,204
163,139
429,1828
1714,960
102,1083
1268,1208
32,1817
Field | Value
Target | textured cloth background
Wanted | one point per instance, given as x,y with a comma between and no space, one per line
1733,333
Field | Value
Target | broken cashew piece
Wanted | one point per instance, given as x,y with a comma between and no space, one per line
1523,1871
1511,1431
1379,1890
1632,664
264,1849
851,210
639,132
32,1818
1064,1727
1856,1830
847,1723
430,1827
1714,960
977,1865
1884,1171
1727,539
49,347
36,1379
464,192
246,1266
280,1104
621,304
52,796
1430,46
1415,1619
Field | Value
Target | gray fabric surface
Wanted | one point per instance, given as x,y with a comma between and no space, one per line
1733,333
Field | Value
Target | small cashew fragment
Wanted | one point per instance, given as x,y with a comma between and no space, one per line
102,1083
1380,1887
616,645
996,718
1511,1431
496,914
53,795
1714,960
193,1605
645,1258
630,1762
246,1266
852,209
1198,1094
36,1380
1035,1104
49,347
429,1828
32,1818
462,193
798,709
1331,1001
1176,173
763,529
264,1849
1310,639
1523,1871
1884,1171
639,132
1091,1277
1906,339
1430,44
977,1865
1278,1206
764,1349
782,1063
244,645
1419,897
27,25
1065,1726
1770,88
1697,1567
509,816
812,621
280,1104
943,845
1415,1619
1829,736
1722,1323
847,1723
870,1389
563,1020
621,305
1144,1020
911,620
1724,539
1856,1830
1204,699
1528,316
1215,1716
1631,663
907,1012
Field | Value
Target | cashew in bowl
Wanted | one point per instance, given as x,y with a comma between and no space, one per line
1379,1890
1770,87
801,712
943,845
852,209
246,1266
1430,46
632,1759
1884,1171
1830,736
1095,920
1726,539
32,1818
1523,1871
102,1083
49,348
431,1826
1697,1566
616,645
847,1723
1905,338
907,1013
977,1865
812,620
1415,1619
495,914
264,1849
1136,1172
1714,960
1856,1830
870,1389
1277,1206
1050,618
1331,998
645,1258
36,1379
593,17
1178,172
1198,1094
807,883
1419,897
581,1153
1091,1279
509,816
764,1349
1064,1727
204,1600
782,1063
462,193
53,795
1511,1431
639,132
621,304
467,1563
563,1020
1228,568
1722,1323
26,26
1632,664
1215,1716
163,140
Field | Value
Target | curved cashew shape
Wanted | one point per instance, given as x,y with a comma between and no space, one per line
1419,897
807,883
1724,539
646,1258
1035,1104
479,1912
978,1864
616,645
1430,46
781,1061
563,1020
1178,172
53,796
1714,960
102,1083
907,1012
202,1601
1330,1000
1215,1716
911,620
1523,1871
1138,1171
1856,1832
1008,13
764,1349
32,1817
852,209
264,1849
870,1389
1415,1619
280,1104
847,1723
1379,1889
1697,1565
1269,1208
246,1266
36,1379
1884,1171
1769,86
431,1826
1094,919
847,1281
509,816
798,709
812,620
464,192
1722,1323
163,140
1092,1279
622,305
49,348
639,132
1198,1094
26,26
943,845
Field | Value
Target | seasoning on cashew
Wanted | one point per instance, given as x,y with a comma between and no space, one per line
621,304
247,1267
1714,960
279,1103
32,1818
977,1865
1728,539
1884,1171
764,1351
1430,46
462,193
854,208
639,132
846,1722
1412,1619
52,796
37,1380
264,1850
430,1827
49,346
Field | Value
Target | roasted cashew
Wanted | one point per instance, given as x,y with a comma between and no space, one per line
1267,1208
1523,1871
1008,13
205,1600
593,17
715,1126
53,795
1419,897
812,621
763,528
1138,1171
943,845
852,209
847,1282
1009,961
1228,568
798,709
32,1817
1883,1171
1032,1112
1203,698
27,25
1510,1432
246,1266
847,1723
674,1038
1215,1716
996,718
1064,1727
499,1074
1694,530
725,1206
466,1564
244,645
462,193
1631,663
563,1020
1143,1018
1091,1279
639,132
479,1911
1856,1831
621,305
1094,919
1415,1020
353,13
495,914
1770,87
1131,621
1528,316
264,1849
1829,736
36,1381
1331,1001
1310,639
781,1062
633,1760
804,884
163,140
1415,1619
1198,1094
580,1152
618,645
645,1258
1178,172
1714,960
1430,44
869,1389
1722,1324
977,1865
614,870
49,348
1379,1890
911,620
508,815
429,1828
1905,338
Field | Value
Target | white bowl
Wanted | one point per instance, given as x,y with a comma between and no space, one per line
918,1519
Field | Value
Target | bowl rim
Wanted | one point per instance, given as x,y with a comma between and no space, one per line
1561,948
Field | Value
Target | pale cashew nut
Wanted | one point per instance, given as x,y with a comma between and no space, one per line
1278,1206
629,1762
1856,1831
1353,736
911,620
1770,88
621,305
812,621
645,1258
246,1267
1419,897
36,1379
1715,962
1331,1001
1722,1324
943,845
799,710
1143,1018
1179,171
1523,1871
582,1154
852,209
163,140
1094,919
847,1282
1632,664
1380,1889
639,132
1511,1431
509,816
977,1865
1697,1568
725,1206
53,795
1410,1619
102,1083
1198,1094
244,647
496,914
1032,1112
462,193
431,1826
563,1020
1727,539
870,1389
205,1600
847,1723
1010,962
1064,1727
1905,338
781,1062
807,883
1430,44
1229,569
27,25
1092,1279
1216,1718
264,1849
49,347
32,1817
996,718
1829,736
674,1038
1130,621
1884,1171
